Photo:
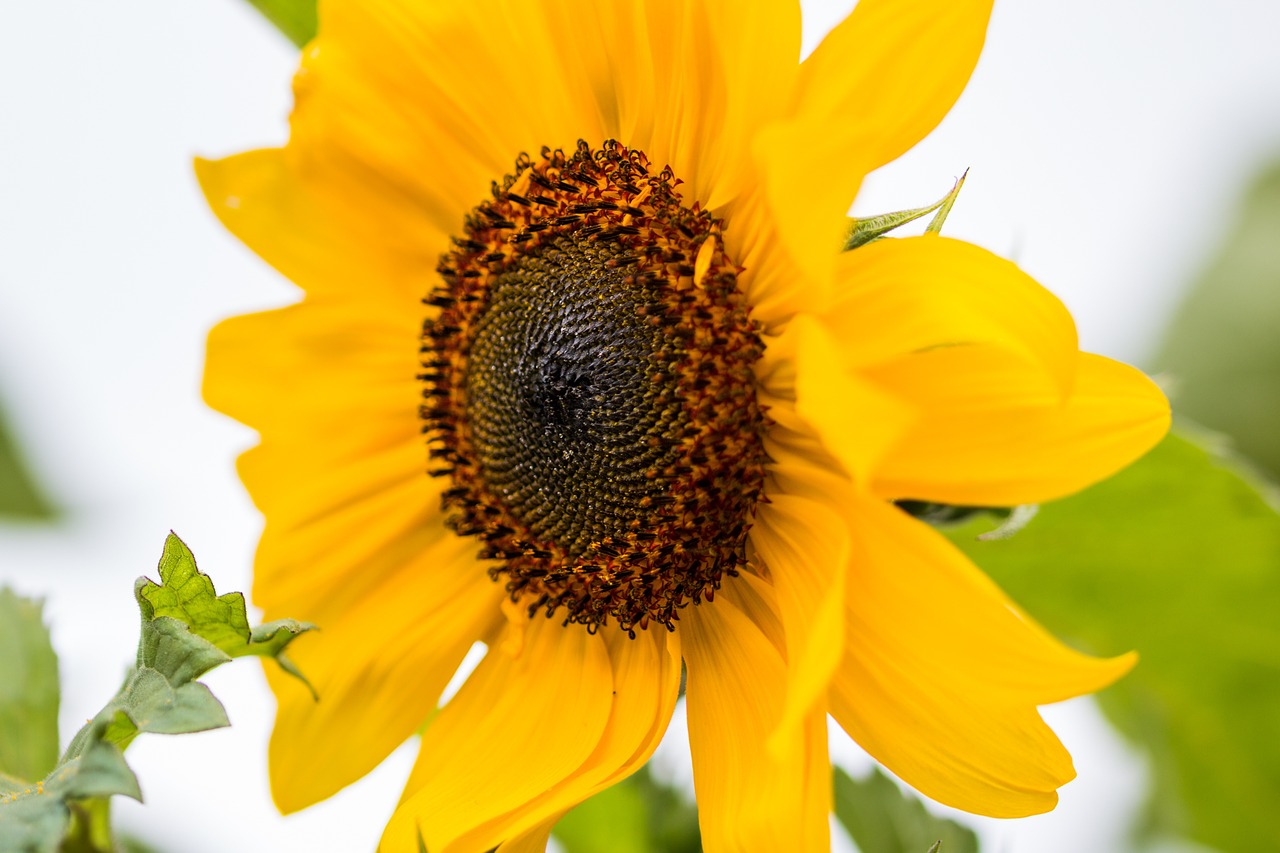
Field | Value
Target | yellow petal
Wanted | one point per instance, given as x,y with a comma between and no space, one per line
532,734
989,434
311,553
899,296
324,229
646,678
806,209
378,668
674,79
857,421
748,798
942,673
533,841
320,358
402,87
433,101
801,465
774,277
876,85
344,506
805,546
883,79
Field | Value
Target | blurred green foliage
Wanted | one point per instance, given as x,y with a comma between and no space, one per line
28,689
882,818
643,815
1222,350
19,494
638,815
295,18
1178,557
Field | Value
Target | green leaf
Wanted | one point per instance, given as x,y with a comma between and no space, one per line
295,18
186,596
19,494
148,702
28,690
884,819
170,648
637,815
1222,350
1179,558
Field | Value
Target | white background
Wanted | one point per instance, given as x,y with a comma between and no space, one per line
1108,142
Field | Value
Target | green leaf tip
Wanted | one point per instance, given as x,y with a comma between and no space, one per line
944,209
295,19
871,228
185,601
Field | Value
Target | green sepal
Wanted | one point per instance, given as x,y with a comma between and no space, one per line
870,228
944,209
881,818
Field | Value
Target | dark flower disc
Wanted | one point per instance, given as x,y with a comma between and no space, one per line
589,387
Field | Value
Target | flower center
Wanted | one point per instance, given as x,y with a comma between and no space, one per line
589,388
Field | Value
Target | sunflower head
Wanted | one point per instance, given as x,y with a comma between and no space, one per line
589,389
649,379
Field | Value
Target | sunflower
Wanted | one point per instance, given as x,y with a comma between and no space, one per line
581,373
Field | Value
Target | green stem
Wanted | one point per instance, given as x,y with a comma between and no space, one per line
90,830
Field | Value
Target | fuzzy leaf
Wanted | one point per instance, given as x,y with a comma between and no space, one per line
884,819
1179,558
148,702
34,817
28,690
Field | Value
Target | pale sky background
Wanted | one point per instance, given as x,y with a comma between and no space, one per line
1108,143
